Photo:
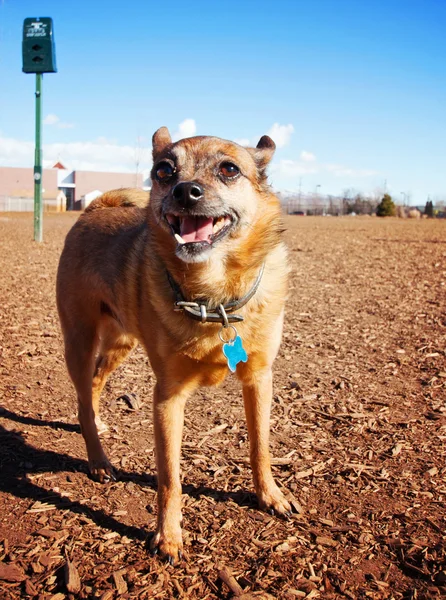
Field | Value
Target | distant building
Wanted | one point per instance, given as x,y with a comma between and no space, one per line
76,188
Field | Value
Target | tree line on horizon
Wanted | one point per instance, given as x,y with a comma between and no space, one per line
388,208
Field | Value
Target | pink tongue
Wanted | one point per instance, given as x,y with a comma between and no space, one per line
196,229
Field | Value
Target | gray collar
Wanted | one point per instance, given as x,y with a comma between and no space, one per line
200,310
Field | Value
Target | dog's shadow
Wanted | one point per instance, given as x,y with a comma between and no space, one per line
18,458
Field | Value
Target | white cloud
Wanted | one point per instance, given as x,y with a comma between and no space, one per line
281,134
243,142
105,141
307,165
15,153
186,128
341,171
97,155
105,154
307,156
52,119
293,168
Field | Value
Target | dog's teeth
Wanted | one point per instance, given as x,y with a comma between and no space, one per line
179,239
218,225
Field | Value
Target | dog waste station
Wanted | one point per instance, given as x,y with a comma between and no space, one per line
39,57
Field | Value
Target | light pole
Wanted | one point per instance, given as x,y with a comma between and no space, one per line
316,197
300,194
404,195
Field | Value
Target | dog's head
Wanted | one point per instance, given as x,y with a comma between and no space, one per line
208,193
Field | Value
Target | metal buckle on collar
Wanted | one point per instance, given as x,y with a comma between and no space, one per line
200,311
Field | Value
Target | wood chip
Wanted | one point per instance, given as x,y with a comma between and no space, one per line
304,474
120,583
178,587
72,579
11,572
326,541
281,461
49,533
284,547
30,588
216,429
39,507
294,503
397,449
130,399
328,416
226,576
256,596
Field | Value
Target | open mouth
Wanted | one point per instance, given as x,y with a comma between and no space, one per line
193,229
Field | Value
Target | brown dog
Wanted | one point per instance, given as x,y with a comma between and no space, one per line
174,275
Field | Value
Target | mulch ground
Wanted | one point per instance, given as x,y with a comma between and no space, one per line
358,436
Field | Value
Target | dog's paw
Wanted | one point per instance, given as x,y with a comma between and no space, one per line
274,502
102,471
167,546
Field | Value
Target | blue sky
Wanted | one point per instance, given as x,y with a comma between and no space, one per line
352,91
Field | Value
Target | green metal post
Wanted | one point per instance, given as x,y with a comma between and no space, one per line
38,204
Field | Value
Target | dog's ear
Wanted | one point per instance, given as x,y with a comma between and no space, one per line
263,152
161,138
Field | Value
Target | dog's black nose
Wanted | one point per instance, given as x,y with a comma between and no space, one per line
188,193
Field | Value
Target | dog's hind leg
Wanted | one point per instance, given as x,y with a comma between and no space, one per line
80,348
113,350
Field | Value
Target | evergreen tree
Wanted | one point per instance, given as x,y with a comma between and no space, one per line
429,209
386,208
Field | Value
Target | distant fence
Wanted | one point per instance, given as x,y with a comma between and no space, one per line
14,204
318,204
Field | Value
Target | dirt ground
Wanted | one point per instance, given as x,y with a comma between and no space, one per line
358,436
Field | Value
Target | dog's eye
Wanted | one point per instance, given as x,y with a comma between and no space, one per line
229,170
164,170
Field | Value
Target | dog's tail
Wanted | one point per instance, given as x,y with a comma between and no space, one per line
120,198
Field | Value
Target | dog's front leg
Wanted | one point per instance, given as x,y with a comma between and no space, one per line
257,396
168,420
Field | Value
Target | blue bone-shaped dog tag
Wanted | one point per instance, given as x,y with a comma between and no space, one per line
235,353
